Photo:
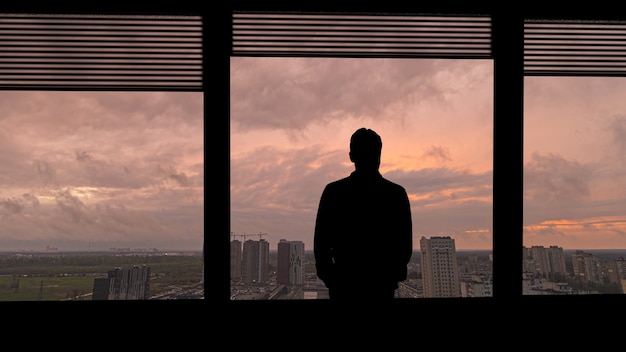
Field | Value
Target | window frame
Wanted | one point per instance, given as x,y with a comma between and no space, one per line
508,58
508,23
504,72
194,9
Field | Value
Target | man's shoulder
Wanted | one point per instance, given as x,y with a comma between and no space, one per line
393,185
349,181
338,183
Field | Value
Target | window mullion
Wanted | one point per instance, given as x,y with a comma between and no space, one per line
508,49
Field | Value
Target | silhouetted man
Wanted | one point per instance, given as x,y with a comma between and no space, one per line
363,232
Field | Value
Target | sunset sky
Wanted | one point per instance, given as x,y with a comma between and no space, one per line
100,170
291,121
575,162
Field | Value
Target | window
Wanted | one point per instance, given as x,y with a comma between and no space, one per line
438,132
291,120
573,164
508,56
509,75
102,147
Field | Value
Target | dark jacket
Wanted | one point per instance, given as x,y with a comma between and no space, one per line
363,233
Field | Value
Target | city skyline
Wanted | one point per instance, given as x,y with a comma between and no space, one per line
273,246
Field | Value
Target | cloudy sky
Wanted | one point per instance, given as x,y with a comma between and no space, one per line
575,162
96,170
291,120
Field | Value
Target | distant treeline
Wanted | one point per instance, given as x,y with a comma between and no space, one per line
83,264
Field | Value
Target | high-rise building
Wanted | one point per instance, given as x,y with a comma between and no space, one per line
235,260
290,263
282,262
620,270
587,267
440,270
296,263
255,261
120,284
543,261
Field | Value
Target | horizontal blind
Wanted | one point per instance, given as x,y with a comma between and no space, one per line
100,52
574,48
336,35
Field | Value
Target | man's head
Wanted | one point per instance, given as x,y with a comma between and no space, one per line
365,149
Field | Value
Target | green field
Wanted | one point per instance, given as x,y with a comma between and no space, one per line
45,288
71,277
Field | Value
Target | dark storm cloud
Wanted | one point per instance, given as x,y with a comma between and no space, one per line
156,107
11,205
171,173
277,191
291,179
31,200
71,221
549,234
14,163
83,156
85,168
60,112
437,153
436,180
290,94
64,154
89,170
617,129
45,171
17,205
440,221
551,177
71,205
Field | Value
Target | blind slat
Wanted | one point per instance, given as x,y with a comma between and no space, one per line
275,34
574,48
135,52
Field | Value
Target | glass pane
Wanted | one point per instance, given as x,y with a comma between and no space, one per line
101,190
574,185
290,126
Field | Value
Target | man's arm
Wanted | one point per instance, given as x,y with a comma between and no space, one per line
322,247
405,229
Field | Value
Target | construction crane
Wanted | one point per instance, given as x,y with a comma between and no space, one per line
232,234
244,235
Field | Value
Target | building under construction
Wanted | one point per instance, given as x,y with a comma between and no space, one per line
120,284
